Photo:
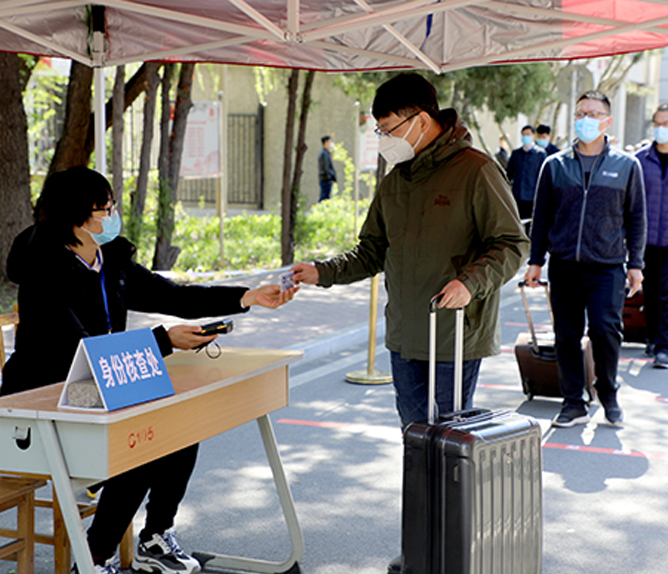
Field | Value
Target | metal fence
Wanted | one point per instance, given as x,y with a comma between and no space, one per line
244,167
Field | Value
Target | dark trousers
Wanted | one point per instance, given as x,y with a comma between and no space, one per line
597,292
164,480
655,287
325,189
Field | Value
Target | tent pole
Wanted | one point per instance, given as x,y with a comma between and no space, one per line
100,121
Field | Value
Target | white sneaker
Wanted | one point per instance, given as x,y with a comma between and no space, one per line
109,567
162,553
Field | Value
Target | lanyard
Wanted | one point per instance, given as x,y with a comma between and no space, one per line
102,285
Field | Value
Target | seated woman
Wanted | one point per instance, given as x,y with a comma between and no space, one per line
77,278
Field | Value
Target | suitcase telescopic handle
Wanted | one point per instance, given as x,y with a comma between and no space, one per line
522,285
432,407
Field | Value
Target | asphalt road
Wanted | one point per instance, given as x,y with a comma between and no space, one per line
605,508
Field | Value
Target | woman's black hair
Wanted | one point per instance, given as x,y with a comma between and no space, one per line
68,199
405,94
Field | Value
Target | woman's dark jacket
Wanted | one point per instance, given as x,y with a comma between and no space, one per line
60,302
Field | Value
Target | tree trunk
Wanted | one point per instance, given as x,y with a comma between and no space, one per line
138,197
16,211
301,146
117,142
70,151
170,166
287,231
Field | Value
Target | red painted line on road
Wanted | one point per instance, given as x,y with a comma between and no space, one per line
621,359
599,450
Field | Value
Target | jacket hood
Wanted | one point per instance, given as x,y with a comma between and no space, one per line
454,138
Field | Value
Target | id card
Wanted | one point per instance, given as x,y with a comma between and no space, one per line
286,281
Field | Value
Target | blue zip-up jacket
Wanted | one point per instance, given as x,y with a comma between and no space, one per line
656,193
604,222
523,169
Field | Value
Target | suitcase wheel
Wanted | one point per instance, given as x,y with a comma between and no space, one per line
527,386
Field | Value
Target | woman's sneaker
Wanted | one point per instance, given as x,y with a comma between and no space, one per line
162,554
109,567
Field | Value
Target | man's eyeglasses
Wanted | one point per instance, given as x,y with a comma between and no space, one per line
386,133
593,115
109,210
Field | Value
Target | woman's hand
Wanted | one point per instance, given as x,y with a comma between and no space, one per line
269,296
186,337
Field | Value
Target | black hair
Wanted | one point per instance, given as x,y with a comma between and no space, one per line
68,199
661,108
324,139
543,129
403,95
596,95
527,127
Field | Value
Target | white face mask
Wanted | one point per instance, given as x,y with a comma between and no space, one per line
397,150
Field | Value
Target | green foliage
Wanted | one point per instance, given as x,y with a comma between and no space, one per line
505,90
253,241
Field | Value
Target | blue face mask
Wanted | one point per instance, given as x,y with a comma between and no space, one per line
541,142
111,228
661,134
587,129
527,141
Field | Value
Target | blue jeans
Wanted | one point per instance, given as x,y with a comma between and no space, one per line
325,189
597,291
411,381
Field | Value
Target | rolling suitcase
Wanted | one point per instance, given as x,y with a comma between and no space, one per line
634,321
472,492
537,359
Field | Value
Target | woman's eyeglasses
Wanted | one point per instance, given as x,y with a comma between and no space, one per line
109,210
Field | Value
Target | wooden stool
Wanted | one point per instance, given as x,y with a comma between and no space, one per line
62,552
19,493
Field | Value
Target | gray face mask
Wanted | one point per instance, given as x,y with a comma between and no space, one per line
397,150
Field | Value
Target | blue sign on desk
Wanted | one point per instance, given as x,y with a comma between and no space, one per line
127,368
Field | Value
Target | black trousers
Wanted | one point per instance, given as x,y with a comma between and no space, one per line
594,291
164,480
655,287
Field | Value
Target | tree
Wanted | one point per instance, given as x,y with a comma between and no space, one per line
169,163
138,196
291,183
16,212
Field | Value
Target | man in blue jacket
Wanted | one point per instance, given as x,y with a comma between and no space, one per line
523,167
654,161
590,216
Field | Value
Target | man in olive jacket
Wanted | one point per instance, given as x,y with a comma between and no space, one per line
443,221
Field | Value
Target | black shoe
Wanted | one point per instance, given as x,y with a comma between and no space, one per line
571,415
649,350
394,567
613,412
661,360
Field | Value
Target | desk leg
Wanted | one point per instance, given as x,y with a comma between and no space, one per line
68,503
291,565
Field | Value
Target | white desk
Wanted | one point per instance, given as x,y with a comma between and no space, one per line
79,448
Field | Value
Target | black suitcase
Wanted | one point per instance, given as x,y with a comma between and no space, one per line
472,492
537,359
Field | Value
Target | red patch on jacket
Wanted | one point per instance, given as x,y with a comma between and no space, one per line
442,200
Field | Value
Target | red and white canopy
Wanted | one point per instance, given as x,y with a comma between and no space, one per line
333,35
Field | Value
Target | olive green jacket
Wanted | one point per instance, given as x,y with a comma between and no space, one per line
447,214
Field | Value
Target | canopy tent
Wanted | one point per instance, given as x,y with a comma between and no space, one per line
332,35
